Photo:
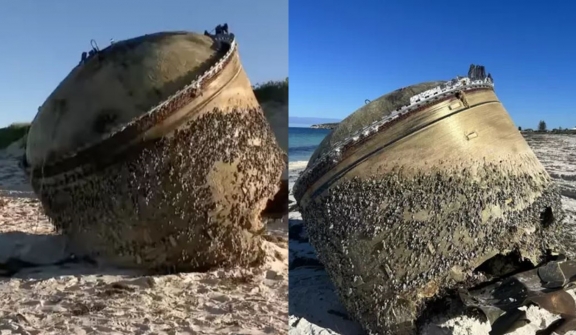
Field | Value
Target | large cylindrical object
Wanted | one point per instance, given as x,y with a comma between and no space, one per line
154,153
417,189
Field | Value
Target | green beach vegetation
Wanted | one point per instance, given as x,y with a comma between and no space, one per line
13,133
276,91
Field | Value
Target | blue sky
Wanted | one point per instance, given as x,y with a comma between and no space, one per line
343,52
41,41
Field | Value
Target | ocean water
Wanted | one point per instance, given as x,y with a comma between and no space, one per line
301,145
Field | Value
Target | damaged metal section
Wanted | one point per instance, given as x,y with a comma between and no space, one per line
544,286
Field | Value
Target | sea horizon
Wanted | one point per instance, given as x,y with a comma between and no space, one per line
302,142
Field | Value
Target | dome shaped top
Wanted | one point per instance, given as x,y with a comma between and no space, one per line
371,112
115,86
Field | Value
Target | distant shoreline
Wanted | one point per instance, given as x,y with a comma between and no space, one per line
553,131
325,125
568,131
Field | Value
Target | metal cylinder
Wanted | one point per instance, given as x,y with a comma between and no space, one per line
154,153
413,192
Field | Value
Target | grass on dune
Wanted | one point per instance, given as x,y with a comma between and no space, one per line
13,133
272,91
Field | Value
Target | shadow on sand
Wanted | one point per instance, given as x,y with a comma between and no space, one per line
43,256
313,299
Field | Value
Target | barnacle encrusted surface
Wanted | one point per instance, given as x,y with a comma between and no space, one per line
409,212
178,188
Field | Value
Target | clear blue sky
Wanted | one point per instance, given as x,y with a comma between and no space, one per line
343,52
40,41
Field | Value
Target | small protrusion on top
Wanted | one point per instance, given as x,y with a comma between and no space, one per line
221,29
94,51
477,72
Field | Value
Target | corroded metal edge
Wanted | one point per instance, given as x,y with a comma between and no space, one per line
418,102
127,132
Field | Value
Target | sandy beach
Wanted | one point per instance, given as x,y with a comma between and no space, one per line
68,296
314,306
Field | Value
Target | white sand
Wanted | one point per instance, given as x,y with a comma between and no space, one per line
314,305
297,167
86,299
